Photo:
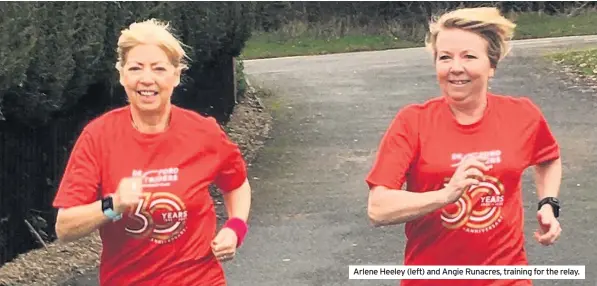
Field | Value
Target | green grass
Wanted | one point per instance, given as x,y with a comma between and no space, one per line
533,25
262,46
297,39
583,61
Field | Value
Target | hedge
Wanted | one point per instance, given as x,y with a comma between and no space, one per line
52,53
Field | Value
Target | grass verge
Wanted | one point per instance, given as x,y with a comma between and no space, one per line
535,25
298,39
581,61
263,46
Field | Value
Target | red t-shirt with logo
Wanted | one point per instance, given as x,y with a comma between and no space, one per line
422,148
166,239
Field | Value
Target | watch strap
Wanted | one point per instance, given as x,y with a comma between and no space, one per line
553,202
111,214
107,209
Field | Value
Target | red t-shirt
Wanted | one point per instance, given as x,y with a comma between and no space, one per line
166,240
422,147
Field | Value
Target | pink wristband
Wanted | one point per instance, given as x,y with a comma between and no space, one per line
239,227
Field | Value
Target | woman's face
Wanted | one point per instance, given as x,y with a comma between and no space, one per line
462,65
149,78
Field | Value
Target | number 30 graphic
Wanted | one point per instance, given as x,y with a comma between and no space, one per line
165,208
478,208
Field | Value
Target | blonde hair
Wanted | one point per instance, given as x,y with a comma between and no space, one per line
486,22
155,32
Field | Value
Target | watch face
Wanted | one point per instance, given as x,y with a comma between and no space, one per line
107,203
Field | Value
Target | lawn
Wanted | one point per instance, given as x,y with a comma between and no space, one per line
266,46
298,39
533,25
583,61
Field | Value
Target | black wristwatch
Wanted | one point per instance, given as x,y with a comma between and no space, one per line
108,209
553,202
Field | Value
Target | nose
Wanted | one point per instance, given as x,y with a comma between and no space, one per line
456,67
146,77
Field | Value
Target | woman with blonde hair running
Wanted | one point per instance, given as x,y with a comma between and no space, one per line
140,174
462,156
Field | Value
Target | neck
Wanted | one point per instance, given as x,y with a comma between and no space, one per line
151,122
469,111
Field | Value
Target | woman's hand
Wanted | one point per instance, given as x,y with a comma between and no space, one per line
468,173
128,194
224,244
549,226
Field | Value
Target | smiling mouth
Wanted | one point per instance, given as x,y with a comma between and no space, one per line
147,93
459,82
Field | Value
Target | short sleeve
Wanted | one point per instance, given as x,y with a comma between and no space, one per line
545,146
81,178
397,150
233,170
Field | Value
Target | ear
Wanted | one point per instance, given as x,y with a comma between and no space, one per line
119,69
177,75
491,72
121,80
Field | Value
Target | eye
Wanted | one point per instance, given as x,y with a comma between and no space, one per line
470,57
134,68
444,57
160,68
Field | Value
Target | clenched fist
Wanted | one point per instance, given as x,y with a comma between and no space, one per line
128,194
468,173
223,245
549,226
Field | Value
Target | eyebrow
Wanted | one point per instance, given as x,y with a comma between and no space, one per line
465,51
153,64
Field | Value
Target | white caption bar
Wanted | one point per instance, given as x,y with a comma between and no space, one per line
561,272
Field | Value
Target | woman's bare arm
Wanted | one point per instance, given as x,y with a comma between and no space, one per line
389,207
238,201
76,222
